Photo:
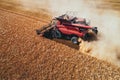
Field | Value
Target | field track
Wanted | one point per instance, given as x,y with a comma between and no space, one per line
28,16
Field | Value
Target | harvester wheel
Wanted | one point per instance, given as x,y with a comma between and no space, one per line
74,40
90,36
56,34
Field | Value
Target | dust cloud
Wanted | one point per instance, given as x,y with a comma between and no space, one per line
34,5
108,22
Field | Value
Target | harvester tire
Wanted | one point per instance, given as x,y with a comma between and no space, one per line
56,34
74,40
91,35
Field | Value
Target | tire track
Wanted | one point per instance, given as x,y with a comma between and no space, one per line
28,16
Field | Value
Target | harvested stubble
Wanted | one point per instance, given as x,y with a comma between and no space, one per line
24,55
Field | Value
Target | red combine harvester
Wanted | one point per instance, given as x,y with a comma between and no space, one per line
68,27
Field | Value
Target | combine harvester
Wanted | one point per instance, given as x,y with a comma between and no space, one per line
70,28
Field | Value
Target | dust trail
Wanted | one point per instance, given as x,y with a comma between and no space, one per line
107,47
107,21
34,6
